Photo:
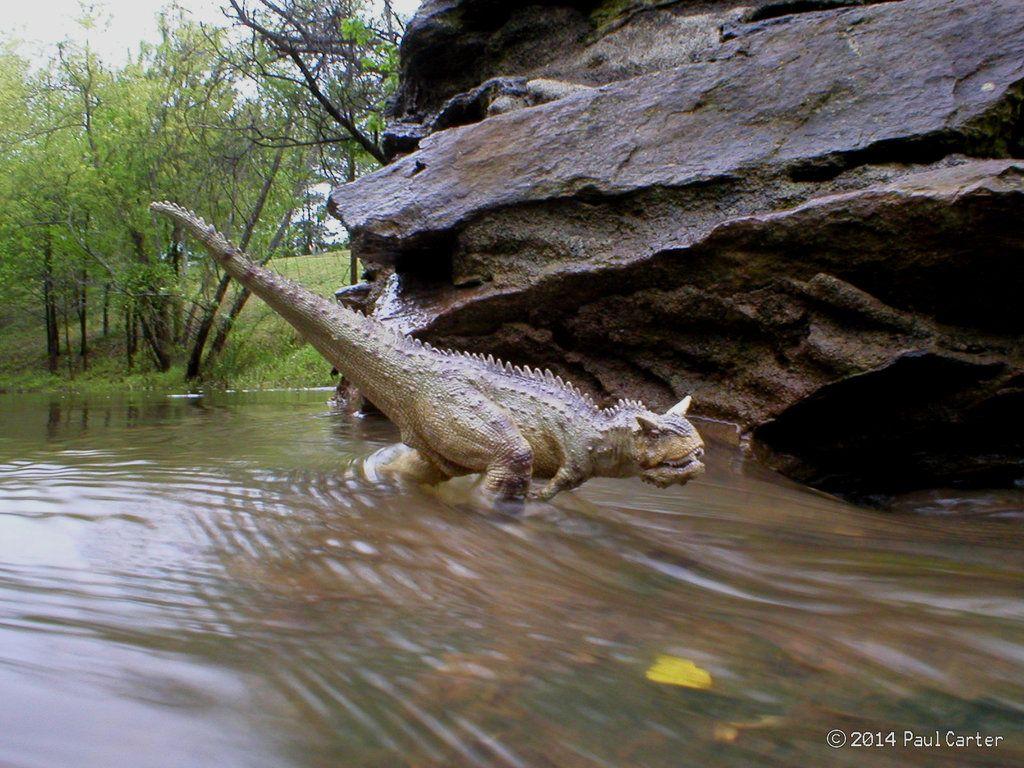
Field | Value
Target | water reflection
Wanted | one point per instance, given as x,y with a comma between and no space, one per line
213,582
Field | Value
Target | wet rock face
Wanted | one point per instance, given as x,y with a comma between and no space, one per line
453,45
815,205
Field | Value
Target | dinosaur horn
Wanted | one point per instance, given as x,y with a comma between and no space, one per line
680,408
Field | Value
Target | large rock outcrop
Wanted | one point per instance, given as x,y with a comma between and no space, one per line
808,213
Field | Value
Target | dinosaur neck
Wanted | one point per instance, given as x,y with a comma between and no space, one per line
615,455
351,342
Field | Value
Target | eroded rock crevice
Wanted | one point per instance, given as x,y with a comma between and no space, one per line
922,415
778,8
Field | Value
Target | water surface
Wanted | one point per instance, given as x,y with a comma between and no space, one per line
200,582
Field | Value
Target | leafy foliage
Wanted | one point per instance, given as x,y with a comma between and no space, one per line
215,118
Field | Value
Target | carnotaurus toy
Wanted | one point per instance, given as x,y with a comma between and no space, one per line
461,413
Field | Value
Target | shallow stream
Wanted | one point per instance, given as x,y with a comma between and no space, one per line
214,582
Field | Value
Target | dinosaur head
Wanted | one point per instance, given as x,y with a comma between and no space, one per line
667,448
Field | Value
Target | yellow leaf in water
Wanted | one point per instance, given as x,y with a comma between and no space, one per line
672,670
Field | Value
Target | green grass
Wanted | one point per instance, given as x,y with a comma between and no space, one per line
263,352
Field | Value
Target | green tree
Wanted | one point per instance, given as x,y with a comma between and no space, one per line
220,121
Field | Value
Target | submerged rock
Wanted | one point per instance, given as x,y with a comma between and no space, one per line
812,220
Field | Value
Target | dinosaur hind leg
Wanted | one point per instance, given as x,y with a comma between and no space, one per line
412,465
466,430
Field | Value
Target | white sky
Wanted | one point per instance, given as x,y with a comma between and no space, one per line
45,22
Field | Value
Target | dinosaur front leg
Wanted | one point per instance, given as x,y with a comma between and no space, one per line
565,479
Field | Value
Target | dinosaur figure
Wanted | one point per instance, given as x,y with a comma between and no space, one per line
462,413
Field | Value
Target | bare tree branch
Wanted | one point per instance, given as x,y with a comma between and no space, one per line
296,37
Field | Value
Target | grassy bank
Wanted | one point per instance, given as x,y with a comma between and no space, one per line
262,351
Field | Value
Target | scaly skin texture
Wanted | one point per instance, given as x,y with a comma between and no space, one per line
463,414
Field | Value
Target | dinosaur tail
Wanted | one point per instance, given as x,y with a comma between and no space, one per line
336,332
214,242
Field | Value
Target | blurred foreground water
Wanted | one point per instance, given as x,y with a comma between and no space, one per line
200,582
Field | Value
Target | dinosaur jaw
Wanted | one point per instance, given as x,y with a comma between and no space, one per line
673,473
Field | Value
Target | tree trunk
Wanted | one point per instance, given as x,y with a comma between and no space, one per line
177,305
152,311
152,336
51,356
106,309
352,265
67,340
82,331
226,324
163,327
190,318
389,23
243,295
155,331
188,332
129,336
50,309
195,359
